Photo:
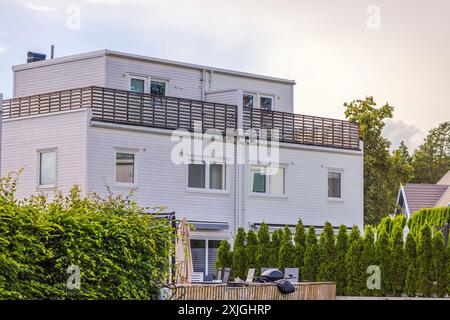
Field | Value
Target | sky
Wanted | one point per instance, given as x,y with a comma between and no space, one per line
397,51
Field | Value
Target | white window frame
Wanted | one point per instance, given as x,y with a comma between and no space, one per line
139,77
135,169
335,170
166,81
263,95
268,178
255,98
207,248
38,178
207,188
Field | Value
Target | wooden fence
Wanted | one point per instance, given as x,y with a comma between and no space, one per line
256,291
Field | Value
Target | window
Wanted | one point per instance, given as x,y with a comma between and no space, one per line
334,184
137,85
204,255
265,102
207,176
158,87
124,167
273,183
248,100
47,168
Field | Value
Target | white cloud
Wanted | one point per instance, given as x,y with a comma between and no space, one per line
3,49
36,7
397,131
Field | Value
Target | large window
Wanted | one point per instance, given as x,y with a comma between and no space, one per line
137,85
334,184
158,87
125,168
266,102
47,168
204,256
265,181
207,176
248,100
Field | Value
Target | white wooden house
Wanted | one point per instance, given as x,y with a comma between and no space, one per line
105,118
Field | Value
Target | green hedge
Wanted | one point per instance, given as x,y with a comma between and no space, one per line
419,267
121,252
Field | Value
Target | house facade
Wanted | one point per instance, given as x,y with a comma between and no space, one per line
105,120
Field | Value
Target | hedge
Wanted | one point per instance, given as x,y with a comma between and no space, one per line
121,252
419,266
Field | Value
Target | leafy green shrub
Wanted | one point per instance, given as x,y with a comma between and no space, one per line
356,270
411,273
121,252
341,248
239,265
383,260
425,262
312,259
252,247
263,252
285,256
398,261
327,254
224,255
439,264
300,244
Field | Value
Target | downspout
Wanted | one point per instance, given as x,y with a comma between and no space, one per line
203,85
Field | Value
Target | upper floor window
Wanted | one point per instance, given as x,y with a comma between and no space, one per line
248,100
137,84
207,176
158,87
266,102
272,182
47,168
334,184
125,167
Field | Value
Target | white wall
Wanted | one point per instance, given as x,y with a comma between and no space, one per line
42,78
23,137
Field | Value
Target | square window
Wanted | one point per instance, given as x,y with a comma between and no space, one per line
158,88
124,167
265,102
334,184
47,168
248,100
196,175
217,176
137,85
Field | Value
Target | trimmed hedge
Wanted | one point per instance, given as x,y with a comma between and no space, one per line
121,252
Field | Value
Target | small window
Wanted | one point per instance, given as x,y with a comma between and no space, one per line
137,85
334,185
207,176
273,183
217,176
265,102
125,167
196,175
258,181
158,87
248,100
277,182
47,168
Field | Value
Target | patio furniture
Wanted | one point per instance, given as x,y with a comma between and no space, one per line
291,274
250,275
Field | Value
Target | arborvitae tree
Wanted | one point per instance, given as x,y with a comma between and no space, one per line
356,271
369,255
383,255
277,236
425,262
398,261
411,273
224,255
448,267
327,254
239,265
341,250
285,256
300,243
311,260
354,235
439,264
263,251
252,248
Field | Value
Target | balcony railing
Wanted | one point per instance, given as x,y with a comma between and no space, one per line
302,129
125,107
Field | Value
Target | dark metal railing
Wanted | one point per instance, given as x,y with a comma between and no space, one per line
303,129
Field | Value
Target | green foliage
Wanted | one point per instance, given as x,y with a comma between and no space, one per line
341,249
397,261
411,274
435,217
263,253
356,270
369,254
300,244
383,255
239,261
224,255
327,254
425,262
439,264
277,236
252,247
122,252
432,159
285,255
311,260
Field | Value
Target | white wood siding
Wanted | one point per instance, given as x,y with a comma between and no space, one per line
60,76
22,138
224,96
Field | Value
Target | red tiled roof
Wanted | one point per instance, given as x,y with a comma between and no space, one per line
419,195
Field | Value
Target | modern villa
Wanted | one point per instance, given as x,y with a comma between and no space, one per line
104,120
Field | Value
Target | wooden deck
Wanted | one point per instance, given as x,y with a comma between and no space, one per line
256,291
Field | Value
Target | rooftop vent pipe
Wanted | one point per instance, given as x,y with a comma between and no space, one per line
33,57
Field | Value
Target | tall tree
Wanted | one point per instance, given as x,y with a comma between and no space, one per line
398,261
224,255
277,236
285,256
411,272
356,271
341,249
369,254
327,254
263,251
425,262
300,244
252,248
239,265
402,169
383,255
432,159
378,187
439,264
311,260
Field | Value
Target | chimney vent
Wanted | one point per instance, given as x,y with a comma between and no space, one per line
33,57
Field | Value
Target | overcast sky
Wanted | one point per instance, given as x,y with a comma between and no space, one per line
395,50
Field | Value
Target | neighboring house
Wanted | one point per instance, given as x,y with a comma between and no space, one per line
105,118
414,196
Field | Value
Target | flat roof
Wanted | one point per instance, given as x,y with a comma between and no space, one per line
99,53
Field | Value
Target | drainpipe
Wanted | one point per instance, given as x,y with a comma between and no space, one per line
203,84
1,127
